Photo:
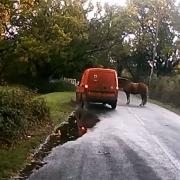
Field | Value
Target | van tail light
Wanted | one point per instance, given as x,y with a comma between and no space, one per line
83,128
86,86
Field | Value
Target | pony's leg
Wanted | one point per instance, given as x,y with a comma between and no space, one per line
144,100
128,97
145,96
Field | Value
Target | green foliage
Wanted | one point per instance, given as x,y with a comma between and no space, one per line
42,39
60,104
49,37
19,112
13,159
55,87
48,46
154,26
166,89
126,37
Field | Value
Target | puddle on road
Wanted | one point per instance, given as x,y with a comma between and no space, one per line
68,132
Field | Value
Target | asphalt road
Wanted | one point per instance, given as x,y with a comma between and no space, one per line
129,143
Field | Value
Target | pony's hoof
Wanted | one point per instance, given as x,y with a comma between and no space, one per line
141,105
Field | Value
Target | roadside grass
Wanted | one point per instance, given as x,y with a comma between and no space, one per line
167,106
60,104
14,158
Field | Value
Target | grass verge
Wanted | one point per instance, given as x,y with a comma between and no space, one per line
167,106
12,159
60,104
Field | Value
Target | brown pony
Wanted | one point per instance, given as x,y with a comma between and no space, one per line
130,87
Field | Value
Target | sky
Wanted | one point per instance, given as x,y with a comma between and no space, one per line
117,2
113,2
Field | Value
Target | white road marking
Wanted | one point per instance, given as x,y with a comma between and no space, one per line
137,117
173,160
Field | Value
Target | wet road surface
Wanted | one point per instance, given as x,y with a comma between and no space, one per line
129,143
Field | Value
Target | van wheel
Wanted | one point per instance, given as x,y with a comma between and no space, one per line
113,105
84,104
80,102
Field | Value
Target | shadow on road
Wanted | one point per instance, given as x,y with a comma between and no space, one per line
99,108
131,105
140,166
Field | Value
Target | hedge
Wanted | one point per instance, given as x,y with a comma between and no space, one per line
20,111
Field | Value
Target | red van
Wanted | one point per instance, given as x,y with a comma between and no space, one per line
98,85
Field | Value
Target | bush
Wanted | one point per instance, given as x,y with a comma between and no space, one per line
59,86
166,89
19,111
42,85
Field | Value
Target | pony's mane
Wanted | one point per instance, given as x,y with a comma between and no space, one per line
122,79
123,82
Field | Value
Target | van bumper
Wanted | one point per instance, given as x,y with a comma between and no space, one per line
101,97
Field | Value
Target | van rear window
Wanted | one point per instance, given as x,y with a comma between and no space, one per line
104,77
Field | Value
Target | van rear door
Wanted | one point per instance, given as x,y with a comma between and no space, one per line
102,81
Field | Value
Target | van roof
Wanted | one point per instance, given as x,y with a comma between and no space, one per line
101,69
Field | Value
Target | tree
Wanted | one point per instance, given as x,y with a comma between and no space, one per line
7,42
50,35
153,35
45,39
